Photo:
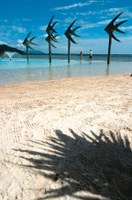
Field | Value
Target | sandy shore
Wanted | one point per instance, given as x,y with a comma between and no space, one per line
66,139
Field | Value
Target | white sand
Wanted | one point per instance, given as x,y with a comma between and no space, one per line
33,153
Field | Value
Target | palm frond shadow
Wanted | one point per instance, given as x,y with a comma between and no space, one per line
100,164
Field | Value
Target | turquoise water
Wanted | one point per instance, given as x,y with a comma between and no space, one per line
18,70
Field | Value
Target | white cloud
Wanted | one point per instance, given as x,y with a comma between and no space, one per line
106,12
89,25
20,43
45,35
87,13
114,10
128,13
18,29
126,28
75,5
105,22
2,42
27,19
42,28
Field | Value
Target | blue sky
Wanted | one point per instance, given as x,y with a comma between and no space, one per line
18,18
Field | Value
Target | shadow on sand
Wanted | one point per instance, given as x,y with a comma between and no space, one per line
85,164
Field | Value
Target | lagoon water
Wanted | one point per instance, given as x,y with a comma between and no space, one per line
18,70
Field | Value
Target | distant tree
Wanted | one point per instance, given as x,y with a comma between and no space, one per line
110,28
27,42
69,33
5,48
52,34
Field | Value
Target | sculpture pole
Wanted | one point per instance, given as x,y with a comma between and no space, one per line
109,49
27,52
69,46
50,50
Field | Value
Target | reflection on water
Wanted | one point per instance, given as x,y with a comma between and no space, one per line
107,70
19,70
50,71
68,70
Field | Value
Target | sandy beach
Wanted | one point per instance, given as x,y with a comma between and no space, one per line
66,139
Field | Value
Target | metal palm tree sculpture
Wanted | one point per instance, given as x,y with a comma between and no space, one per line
110,29
52,34
27,42
69,33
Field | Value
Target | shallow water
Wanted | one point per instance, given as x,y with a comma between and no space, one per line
18,70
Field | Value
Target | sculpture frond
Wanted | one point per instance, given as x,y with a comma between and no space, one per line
71,32
111,27
27,42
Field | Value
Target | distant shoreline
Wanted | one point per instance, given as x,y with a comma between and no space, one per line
74,56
